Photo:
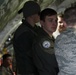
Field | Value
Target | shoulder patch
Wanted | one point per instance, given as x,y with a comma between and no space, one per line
46,44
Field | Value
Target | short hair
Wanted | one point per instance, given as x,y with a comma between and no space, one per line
6,56
47,12
70,15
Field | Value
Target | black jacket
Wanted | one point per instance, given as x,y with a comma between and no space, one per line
22,43
43,54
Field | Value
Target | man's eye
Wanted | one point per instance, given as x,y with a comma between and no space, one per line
50,20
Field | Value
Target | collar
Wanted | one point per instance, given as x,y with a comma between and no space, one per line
24,22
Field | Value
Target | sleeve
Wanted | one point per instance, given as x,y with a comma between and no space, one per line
59,53
23,50
44,58
65,54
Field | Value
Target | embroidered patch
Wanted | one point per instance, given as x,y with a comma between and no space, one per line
46,44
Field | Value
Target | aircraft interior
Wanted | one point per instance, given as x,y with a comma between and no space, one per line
10,18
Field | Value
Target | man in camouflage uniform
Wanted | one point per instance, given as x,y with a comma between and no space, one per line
65,44
43,51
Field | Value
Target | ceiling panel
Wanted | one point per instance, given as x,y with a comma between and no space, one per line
9,8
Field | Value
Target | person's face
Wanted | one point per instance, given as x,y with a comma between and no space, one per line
61,24
8,60
36,18
60,21
50,24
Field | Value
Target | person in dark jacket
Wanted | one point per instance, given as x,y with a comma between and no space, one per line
23,39
43,45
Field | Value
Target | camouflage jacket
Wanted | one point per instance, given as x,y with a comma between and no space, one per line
65,51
